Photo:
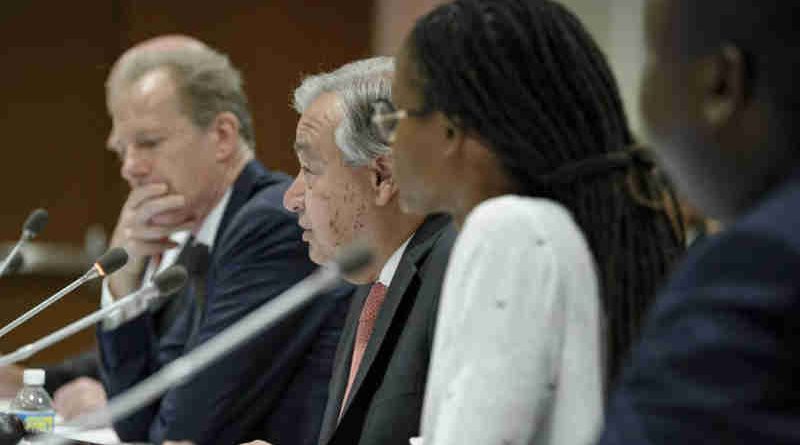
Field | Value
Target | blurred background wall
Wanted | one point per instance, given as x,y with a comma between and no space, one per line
55,57
615,24
617,27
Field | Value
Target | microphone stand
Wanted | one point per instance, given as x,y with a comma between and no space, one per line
41,306
108,263
181,369
164,284
67,331
26,236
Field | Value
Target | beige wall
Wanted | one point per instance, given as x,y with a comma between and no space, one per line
55,124
617,27
394,19
615,24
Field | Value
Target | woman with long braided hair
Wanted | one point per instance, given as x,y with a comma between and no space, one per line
506,115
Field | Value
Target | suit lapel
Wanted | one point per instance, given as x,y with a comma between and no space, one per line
417,250
253,178
341,370
394,296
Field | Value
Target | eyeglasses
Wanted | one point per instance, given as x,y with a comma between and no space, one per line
385,118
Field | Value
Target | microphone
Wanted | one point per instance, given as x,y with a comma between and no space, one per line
164,284
108,263
182,368
32,227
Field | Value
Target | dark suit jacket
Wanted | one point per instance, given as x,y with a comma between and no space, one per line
86,364
386,399
83,364
274,387
720,357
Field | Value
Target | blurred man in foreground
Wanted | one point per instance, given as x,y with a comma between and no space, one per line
719,357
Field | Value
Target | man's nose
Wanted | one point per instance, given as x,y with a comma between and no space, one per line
294,197
134,165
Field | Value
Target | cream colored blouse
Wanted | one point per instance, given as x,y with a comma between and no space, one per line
517,356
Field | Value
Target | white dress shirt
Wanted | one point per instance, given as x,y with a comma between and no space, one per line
517,354
390,267
207,234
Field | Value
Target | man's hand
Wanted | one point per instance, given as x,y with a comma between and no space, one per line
79,396
10,381
147,219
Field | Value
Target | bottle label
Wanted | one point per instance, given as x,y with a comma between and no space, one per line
42,421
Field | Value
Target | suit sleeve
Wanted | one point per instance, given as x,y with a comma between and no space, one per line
716,363
260,256
80,365
129,354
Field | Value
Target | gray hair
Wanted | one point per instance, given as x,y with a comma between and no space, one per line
357,85
207,82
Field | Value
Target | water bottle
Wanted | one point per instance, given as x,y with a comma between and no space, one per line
33,405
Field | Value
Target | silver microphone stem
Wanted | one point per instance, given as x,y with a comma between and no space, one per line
73,328
181,369
91,274
26,236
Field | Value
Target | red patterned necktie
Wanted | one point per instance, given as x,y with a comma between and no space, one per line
366,323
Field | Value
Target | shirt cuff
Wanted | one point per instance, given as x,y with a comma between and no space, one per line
123,314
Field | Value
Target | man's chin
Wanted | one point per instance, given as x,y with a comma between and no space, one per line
316,256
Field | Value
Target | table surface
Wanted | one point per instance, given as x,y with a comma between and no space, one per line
105,436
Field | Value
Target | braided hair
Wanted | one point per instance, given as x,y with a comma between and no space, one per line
525,77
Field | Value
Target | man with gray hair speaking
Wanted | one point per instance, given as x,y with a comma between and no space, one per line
345,191
184,137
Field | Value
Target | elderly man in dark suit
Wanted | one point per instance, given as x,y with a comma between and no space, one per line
345,191
719,358
185,139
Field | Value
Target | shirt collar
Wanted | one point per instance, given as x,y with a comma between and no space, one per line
390,267
207,234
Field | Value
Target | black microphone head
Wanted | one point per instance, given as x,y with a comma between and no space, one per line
15,264
170,280
353,258
111,261
12,430
35,223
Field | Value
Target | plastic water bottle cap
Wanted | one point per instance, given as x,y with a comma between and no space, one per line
33,377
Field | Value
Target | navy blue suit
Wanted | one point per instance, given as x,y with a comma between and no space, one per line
275,386
720,356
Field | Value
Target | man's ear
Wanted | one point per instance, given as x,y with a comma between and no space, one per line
382,179
225,130
724,82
